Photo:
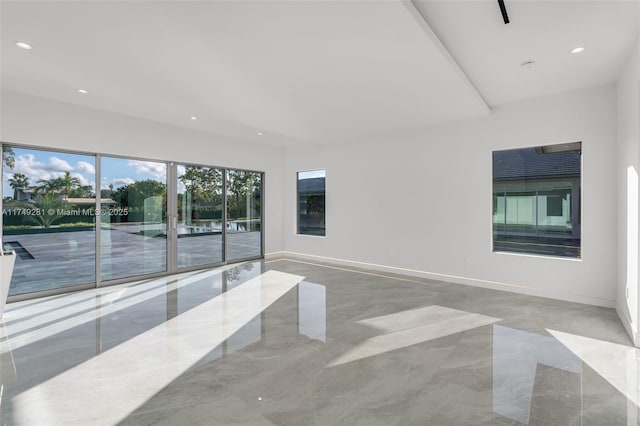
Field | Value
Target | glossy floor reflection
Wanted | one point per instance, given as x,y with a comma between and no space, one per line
291,343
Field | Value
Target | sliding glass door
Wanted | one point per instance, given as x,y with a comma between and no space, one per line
48,218
200,222
244,214
83,220
133,231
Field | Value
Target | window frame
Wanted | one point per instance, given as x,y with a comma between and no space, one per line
573,250
298,229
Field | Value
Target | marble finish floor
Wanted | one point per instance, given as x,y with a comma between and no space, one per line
293,343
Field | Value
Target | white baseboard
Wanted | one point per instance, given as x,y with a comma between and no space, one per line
494,285
628,325
275,255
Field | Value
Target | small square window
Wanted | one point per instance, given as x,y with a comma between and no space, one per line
554,205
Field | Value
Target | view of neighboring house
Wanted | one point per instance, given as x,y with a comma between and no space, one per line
536,200
30,195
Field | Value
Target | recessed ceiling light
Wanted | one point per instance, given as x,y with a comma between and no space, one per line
578,49
193,118
527,65
83,91
23,45
259,133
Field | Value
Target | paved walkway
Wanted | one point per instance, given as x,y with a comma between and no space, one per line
64,259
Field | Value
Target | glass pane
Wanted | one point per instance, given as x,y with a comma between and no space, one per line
499,207
520,208
554,208
133,234
540,205
311,202
199,216
49,218
244,220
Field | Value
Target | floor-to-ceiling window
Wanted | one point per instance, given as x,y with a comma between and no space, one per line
81,220
48,218
199,218
244,214
133,229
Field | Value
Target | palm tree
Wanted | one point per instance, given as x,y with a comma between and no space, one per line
50,206
49,186
68,183
18,180
61,185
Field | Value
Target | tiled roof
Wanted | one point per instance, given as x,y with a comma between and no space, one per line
530,163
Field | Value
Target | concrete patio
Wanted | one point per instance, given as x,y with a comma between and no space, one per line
62,259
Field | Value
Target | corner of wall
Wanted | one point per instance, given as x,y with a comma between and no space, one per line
628,164
628,325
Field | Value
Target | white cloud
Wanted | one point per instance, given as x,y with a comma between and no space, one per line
86,167
36,170
58,165
55,167
83,180
120,182
157,170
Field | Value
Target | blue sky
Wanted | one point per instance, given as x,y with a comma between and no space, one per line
38,164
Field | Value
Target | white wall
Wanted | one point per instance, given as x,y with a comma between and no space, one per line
423,201
419,201
628,168
45,123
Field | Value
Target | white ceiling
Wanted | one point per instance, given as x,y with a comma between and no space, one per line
544,31
309,71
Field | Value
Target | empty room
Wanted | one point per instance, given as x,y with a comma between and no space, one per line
320,212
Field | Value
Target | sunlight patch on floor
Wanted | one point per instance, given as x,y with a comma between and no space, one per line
617,364
110,386
407,328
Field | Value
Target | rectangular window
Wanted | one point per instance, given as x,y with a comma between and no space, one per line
554,205
536,200
311,199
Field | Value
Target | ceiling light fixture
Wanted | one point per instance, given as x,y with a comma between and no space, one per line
527,65
83,91
503,10
578,49
259,133
193,118
23,45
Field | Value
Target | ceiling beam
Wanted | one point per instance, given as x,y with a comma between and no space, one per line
422,22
